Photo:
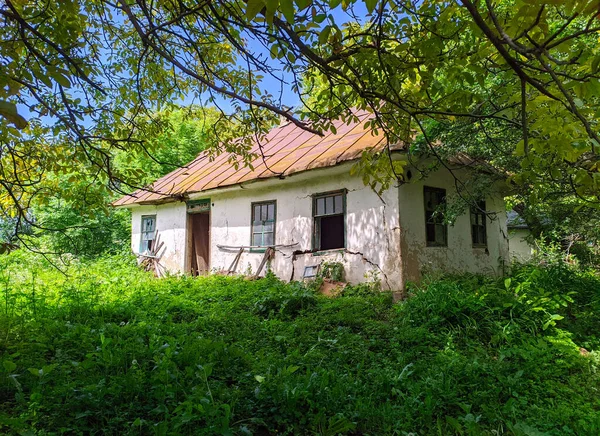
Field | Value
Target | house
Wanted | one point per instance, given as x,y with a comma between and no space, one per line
520,247
300,199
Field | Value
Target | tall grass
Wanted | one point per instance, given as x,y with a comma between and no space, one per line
108,349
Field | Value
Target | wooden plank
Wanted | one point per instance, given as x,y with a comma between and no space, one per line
269,252
235,262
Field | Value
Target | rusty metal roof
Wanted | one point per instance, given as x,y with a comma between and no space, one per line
286,150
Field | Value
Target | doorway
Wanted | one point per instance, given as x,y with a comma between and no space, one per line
199,227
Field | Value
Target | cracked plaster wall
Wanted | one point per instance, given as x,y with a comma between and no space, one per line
375,244
371,227
459,256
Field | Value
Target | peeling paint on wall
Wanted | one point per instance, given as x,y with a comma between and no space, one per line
385,236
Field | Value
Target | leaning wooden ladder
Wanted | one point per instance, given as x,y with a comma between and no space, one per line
150,261
269,254
235,262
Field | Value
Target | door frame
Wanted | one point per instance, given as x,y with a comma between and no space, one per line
189,239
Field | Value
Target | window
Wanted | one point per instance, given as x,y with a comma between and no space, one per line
330,221
435,207
148,233
263,224
478,231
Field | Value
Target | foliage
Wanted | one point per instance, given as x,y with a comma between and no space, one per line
81,222
185,132
79,86
332,271
109,349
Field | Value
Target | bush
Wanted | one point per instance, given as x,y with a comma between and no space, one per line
109,349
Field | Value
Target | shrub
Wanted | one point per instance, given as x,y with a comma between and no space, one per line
109,349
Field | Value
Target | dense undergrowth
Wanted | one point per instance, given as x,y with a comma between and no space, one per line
110,350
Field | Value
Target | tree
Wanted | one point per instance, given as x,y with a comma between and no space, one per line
83,68
81,223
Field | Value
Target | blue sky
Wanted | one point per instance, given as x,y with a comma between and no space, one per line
270,84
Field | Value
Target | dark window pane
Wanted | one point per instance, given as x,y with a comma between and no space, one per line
428,217
430,229
148,224
440,234
331,232
478,223
320,206
428,201
257,239
256,212
435,206
339,208
268,239
268,226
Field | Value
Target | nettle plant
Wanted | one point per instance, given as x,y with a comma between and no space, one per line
333,271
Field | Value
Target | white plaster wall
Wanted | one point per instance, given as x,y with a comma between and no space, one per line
459,256
375,246
372,227
520,249
171,223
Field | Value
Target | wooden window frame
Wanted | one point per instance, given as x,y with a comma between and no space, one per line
142,232
476,211
252,223
316,218
435,223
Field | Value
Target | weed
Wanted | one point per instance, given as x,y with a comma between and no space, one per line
109,349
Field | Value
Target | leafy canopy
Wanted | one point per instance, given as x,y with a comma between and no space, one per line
80,80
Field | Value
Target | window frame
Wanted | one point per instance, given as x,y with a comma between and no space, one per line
477,211
445,225
316,247
142,233
262,248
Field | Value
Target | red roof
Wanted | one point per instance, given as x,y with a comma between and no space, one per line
287,149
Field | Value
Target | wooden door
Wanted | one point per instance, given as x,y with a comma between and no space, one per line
200,240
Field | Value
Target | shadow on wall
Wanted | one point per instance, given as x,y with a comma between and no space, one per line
372,239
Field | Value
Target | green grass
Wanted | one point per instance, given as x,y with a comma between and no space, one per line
110,350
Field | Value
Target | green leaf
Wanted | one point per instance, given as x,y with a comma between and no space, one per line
253,7
35,371
9,366
60,78
520,150
292,369
287,9
595,64
271,6
9,111
371,5
324,35
303,4
259,378
47,369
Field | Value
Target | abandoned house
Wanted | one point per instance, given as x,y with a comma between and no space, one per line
301,205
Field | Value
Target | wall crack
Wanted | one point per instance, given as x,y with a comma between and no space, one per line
370,262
